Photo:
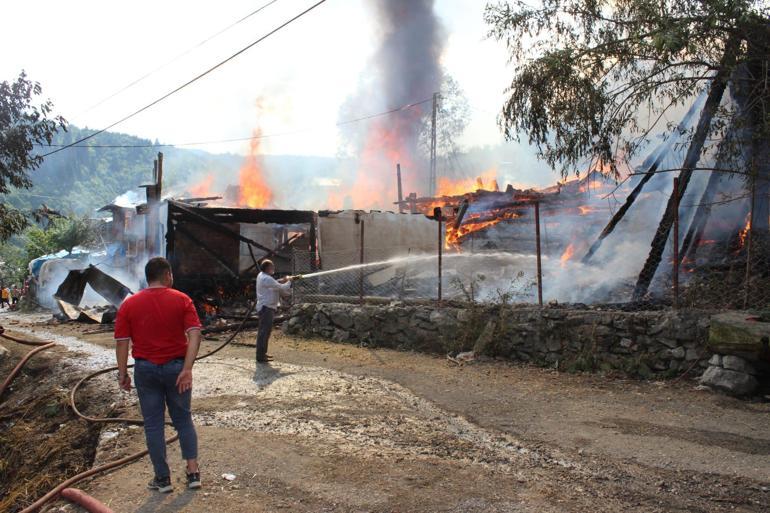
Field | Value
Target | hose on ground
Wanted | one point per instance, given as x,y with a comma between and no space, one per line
73,404
21,364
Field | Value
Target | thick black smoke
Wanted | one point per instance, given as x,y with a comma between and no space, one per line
404,69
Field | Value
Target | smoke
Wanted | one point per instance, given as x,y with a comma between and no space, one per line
405,69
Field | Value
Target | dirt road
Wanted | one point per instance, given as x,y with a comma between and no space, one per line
341,428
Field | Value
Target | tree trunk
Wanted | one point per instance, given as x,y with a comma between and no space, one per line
718,85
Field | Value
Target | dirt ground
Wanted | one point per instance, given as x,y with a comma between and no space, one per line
338,428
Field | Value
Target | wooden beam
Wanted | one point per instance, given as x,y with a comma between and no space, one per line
200,219
658,245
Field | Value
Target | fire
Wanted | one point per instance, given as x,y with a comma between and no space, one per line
568,254
253,189
745,232
203,188
485,181
586,209
455,236
387,142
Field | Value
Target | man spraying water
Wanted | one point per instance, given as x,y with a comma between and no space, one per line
268,298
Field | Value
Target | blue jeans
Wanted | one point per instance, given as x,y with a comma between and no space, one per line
156,388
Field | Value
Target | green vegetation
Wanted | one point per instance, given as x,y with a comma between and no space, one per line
597,80
23,123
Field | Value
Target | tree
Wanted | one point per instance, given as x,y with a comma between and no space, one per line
594,79
23,123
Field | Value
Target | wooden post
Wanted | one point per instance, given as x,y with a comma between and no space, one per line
539,256
749,238
675,276
361,270
400,190
439,218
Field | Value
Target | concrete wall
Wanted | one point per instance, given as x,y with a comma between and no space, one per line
642,344
386,235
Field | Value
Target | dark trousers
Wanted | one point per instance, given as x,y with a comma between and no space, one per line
265,329
156,388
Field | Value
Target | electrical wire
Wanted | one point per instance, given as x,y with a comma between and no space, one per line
241,139
189,82
176,58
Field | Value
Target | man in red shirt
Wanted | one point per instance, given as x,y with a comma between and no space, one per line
164,331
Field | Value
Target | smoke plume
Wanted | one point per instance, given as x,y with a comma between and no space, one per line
404,69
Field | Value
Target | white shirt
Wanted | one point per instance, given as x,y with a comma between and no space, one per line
269,291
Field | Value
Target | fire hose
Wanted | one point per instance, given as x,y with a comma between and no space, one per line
73,404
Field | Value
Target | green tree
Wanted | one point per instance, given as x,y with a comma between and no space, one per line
23,123
593,79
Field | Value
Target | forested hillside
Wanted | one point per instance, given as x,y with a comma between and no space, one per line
79,180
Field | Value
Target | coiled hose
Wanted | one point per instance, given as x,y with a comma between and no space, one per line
73,404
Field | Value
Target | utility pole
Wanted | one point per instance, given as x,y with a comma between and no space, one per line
432,189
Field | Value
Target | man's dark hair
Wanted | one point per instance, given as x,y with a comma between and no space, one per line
265,264
155,269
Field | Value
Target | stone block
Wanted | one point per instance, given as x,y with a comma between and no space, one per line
732,332
716,360
737,364
730,381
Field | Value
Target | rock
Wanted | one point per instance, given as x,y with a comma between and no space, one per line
626,343
341,319
340,335
737,364
669,343
553,345
485,339
733,332
691,355
730,381
678,353
716,360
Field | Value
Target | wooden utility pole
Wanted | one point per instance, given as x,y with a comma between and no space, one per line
432,179
675,272
400,190
539,257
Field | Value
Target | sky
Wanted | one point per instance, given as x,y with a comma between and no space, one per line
82,51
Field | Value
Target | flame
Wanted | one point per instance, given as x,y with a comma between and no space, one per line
568,254
387,142
454,236
586,209
253,189
458,187
745,232
203,188
210,310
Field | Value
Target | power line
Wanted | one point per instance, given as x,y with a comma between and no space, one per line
192,80
238,139
179,56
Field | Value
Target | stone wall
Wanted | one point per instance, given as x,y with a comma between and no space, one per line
644,344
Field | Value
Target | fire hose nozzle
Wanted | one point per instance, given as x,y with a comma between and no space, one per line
296,277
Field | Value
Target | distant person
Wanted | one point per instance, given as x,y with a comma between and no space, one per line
15,294
164,330
268,298
6,297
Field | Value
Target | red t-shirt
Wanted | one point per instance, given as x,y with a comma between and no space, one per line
157,321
